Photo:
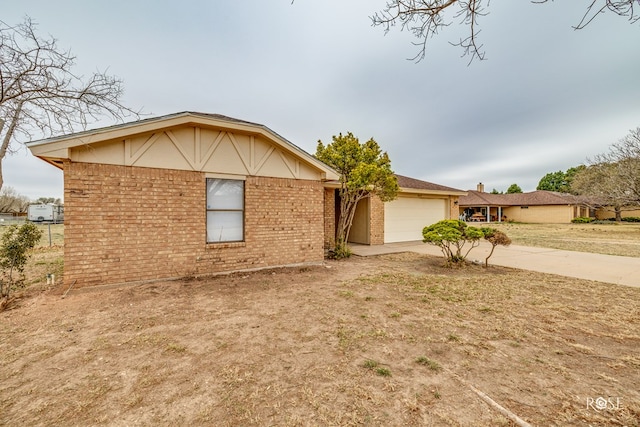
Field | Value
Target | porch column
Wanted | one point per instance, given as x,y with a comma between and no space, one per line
488,213
499,213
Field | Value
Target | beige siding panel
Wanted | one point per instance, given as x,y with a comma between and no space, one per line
359,232
609,212
186,141
111,153
540,214
225,159
162,154
405,217
192,148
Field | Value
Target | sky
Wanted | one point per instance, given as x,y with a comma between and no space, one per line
546,98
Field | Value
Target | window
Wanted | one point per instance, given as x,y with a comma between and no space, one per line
225,210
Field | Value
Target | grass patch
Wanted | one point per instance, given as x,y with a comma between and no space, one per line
374,366
383,372
431,364
370,364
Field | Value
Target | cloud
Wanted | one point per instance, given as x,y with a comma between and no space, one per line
547,98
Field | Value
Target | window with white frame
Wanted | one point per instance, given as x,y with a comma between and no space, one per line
225,210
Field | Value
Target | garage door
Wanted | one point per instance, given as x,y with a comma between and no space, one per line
405,217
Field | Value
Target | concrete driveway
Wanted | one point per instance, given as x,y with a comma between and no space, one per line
582,265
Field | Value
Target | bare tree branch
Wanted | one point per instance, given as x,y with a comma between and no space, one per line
425,18
613,178
40,96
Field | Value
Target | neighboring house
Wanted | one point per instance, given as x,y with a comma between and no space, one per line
609,212
534,207
196,194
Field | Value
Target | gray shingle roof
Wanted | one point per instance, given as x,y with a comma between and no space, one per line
406,182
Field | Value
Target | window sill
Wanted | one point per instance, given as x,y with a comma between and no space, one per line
225,245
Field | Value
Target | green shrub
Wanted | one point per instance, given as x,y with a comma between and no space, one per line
495,237
340,251
14,254
631,219
451,236
582,220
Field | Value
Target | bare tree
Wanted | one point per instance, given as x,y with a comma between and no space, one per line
40,95
11,201
425,18
613,178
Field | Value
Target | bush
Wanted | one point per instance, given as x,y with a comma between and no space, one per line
340,251
631,219
582,220
14,254
495,237
451,236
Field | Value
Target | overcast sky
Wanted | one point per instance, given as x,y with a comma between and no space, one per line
546,98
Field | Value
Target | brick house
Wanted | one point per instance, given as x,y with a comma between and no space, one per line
534,207
197,194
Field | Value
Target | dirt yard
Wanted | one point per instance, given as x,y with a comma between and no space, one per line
383,341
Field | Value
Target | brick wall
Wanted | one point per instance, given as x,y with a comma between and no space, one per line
376,227
127,224
329,218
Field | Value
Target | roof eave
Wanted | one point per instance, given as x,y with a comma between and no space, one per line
432,192
56,146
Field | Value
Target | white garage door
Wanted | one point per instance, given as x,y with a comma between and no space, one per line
405,217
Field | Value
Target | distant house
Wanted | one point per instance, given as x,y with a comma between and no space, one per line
533,207
195,194
609,212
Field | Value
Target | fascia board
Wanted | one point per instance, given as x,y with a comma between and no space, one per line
59,145
405,190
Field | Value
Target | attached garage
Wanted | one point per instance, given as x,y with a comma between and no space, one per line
405,217
419,204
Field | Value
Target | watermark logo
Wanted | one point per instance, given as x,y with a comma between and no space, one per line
600,404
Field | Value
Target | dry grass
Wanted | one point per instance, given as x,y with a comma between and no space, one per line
46,259
385,341
610,239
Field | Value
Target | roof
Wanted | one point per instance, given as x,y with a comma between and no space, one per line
56,148
414,186
407,183
534,198
140,122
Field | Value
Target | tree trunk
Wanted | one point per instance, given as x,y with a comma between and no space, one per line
7,137
348,205
1,179
618,213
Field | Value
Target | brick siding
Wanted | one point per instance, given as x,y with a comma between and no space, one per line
128,224
376,225
329,218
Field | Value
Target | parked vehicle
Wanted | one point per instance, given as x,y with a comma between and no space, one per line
46,213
